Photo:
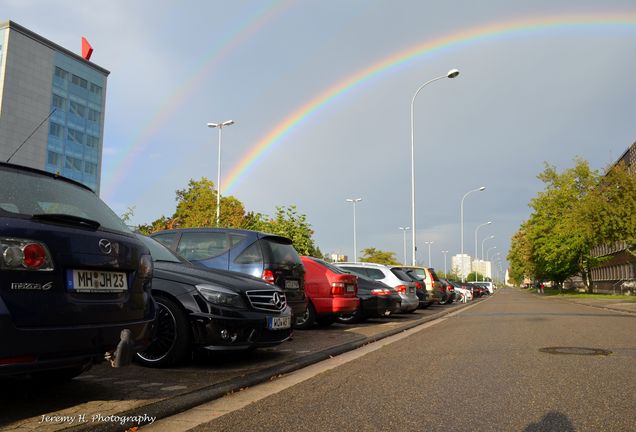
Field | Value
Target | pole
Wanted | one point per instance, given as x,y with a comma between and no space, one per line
461,223
218,181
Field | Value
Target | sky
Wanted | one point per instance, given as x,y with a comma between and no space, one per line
321,92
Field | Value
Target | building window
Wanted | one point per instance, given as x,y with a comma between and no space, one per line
74,164
91,141
59,102
80,82
61,73
93,115
54,159
78,109
90,168
96,89
56,130
76,136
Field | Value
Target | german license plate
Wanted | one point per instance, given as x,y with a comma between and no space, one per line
278,323
95,281
292,284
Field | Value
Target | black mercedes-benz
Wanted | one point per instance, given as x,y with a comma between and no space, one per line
216,310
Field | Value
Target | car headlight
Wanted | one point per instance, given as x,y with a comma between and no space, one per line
220,296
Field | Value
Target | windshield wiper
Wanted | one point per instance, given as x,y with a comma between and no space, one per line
67,219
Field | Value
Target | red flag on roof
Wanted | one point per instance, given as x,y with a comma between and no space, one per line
87,49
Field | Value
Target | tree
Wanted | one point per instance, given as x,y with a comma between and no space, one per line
289,223
378,256
520,256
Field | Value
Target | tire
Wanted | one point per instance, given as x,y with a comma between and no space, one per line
172,343
351,318
306,321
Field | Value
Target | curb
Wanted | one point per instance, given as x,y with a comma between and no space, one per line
178,404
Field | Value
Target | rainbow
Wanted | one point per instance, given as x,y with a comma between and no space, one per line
472,35
225,45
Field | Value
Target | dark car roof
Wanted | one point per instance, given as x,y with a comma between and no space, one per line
260,234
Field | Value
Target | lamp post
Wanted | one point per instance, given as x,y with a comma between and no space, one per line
220,127
476,230
355,246
445,272
404,230
482,245
461,225
498,254
451,74
429,243
488,252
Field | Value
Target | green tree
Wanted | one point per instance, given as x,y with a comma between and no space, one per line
520,257
377,256
289,223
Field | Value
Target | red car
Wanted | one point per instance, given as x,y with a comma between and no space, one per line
330,291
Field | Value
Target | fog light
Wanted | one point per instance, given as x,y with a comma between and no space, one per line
225,334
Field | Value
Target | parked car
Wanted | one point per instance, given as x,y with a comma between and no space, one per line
420,286
464,290
483,286
376,300
216,310
380,272
331,291
426,275
74,280
448,292
266,256
477,290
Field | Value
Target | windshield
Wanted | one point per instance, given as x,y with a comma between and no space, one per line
26,193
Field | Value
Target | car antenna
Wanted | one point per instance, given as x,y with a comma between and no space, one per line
32,133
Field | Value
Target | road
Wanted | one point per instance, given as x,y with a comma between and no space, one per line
517,362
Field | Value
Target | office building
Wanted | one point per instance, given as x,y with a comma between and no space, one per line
53,101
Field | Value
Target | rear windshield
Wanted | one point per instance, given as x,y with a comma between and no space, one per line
434,275
279,252
24,194
159,252
402,275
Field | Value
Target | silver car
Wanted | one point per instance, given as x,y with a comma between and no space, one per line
383,273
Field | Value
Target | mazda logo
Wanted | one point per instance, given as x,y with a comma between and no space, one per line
105,246
276,301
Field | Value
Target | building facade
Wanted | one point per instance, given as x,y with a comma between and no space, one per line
617,274
53,101
483,267
461,264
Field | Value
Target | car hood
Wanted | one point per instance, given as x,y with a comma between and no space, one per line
194,275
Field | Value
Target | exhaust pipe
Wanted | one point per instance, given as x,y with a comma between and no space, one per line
124,352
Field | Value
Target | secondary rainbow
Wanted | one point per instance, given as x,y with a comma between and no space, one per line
602,21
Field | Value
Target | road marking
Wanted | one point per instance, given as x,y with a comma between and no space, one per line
214,409
173,388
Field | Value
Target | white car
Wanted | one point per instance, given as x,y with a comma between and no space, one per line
383,273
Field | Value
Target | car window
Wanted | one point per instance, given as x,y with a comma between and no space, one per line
419,273
278,252
50,196
375,273
168,239
236,239
202,245
356,270
251,255
402,275
158,251
434,275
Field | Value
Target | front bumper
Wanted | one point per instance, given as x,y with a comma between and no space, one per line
241,331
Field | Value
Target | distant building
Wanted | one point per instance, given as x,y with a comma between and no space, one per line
38,77
335,257
482,267
461,264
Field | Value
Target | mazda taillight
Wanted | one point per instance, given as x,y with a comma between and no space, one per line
22,254
268,276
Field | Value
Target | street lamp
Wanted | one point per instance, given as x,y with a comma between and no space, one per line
488,252
461,223
476,230
482,244
355,246
429,243
445,272
220,126
451,74
404,229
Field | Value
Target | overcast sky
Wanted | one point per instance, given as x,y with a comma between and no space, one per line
551,91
